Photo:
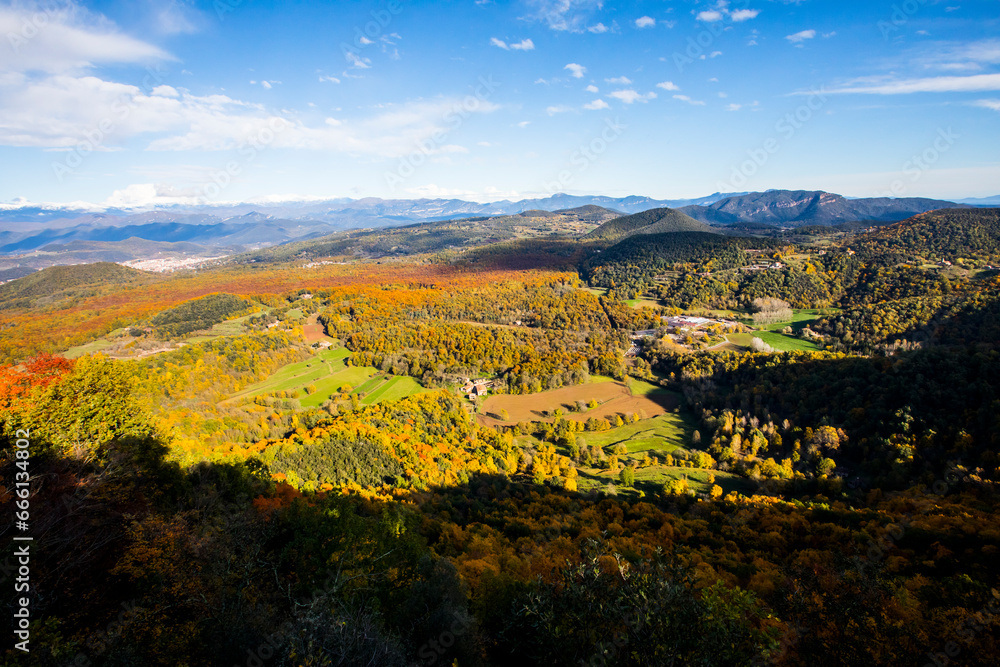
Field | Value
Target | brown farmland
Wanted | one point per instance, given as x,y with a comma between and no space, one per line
613,398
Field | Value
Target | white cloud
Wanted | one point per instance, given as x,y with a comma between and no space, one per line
619,80
734,107
65,111
801,36
744,15
140,195
596,105
523,45
685,98
565,15
645,22
629,96
709,16
597,28
165,91
364,40
266,84
576,70
988,104
330,79
524,123
591,88
668,85
935,84
553,110
71,40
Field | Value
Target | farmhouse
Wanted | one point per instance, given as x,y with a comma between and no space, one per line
476,387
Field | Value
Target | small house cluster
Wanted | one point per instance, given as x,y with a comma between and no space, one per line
476,387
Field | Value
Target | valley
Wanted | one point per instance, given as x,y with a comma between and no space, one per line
503,397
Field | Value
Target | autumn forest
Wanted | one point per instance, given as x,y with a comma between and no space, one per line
590,444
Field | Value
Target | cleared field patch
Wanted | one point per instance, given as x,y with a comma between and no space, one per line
778,341
613,398
662,434
326,387
298,375
651,480
639,303
313,331
396,388
89,348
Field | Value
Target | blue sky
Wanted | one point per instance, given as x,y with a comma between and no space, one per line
140,102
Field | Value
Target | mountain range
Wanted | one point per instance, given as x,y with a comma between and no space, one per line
40,235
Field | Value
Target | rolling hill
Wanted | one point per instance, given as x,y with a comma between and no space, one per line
654,221
943,235
431,237
65,281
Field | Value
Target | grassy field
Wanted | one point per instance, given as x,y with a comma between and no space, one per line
639,303
662,434
651,480
232,327
325,387
801,318
89,348
327,372
778,341
297,376
394,389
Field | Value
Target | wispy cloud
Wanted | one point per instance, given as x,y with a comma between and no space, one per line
987,104
72,41
801,36
685,98
560,108
629,96
619,80
523,45
596,105
934,84
576,70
